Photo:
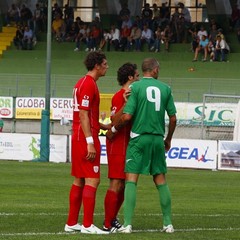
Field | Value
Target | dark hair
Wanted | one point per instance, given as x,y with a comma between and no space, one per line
126,70
94,58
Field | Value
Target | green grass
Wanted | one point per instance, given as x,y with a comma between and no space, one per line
34,204
67,66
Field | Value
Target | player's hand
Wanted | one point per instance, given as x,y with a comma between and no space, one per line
91,152
109,135
167,145
126,94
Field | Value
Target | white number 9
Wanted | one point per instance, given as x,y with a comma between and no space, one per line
154,96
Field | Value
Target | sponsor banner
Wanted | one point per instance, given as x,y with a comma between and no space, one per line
216,114
6,107
29,108
61,108
229,155
190,153
103,159
14,146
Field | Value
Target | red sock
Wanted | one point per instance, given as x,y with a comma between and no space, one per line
110,204
120,199
75,201
89,196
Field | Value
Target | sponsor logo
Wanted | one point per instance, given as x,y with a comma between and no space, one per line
96,169
5,112
185,153
128,160
85,103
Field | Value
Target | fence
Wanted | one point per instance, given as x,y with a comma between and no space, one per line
184,89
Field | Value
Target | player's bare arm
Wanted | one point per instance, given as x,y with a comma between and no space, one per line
85,123
123,121
171,128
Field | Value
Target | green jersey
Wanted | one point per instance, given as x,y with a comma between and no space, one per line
148,102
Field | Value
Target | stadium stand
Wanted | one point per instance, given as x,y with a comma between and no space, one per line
6,38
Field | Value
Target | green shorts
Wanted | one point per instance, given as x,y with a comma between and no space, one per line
146,155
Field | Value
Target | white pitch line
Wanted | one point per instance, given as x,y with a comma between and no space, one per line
101,214
134,231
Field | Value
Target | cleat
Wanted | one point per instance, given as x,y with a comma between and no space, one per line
93,230
168,229
127,229
76,49
74,228
115,225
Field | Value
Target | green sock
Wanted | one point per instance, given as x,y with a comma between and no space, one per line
129,202
165,203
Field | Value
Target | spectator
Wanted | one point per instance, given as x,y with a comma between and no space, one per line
138,21
26,16
13,14
125,33
147,36
127,22
103,120
220,32
58,28
134,38
105,38
213,33
202,32
202,47
156,11
71,34
165,12
18,39
211,50
147,14
195,40
82,36
38,19
167,37
56,11
123,14
221,49
157,40
115,38
27,41
1,124
68,17
185,13
235,17
94,38
238,34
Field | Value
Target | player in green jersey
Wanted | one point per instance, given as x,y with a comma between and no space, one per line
147,104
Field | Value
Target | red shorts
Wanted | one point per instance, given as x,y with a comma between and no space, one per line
81,166
116,165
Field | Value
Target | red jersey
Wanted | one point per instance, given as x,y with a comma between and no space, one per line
86,97
120,141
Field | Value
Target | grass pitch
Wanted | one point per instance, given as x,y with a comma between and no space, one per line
34,204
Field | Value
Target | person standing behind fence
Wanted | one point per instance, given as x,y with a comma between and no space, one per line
116,150
145,108
1,125
86,146
104,122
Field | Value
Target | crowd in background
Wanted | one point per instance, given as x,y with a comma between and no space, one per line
156,28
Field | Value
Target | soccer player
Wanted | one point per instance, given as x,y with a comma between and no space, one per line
86,146
145,108
116,150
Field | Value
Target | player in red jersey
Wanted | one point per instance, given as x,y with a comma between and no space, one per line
116,150
86,146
